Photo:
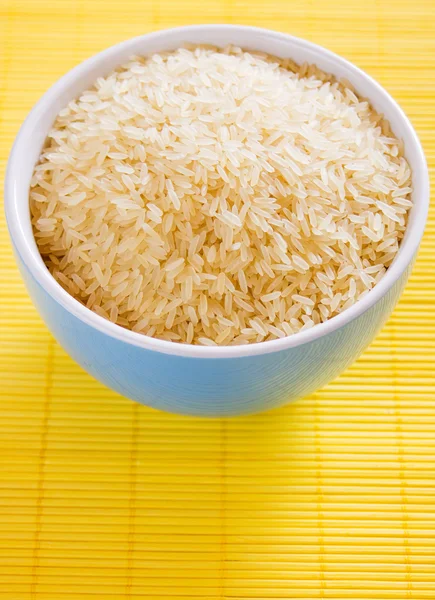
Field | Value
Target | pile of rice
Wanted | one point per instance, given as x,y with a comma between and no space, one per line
219,197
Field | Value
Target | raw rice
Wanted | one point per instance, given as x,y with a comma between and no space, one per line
219,197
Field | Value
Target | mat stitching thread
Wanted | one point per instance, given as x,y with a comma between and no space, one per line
41,467
131,526
223,508
402,464
7,57
320,498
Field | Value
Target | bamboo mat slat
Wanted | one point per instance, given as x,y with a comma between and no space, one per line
331,497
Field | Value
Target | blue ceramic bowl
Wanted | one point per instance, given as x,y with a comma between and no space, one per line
198,380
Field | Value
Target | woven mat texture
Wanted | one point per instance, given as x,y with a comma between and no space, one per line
331,497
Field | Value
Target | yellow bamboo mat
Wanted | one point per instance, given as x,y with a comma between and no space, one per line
331,497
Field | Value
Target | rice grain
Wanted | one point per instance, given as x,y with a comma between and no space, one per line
219,197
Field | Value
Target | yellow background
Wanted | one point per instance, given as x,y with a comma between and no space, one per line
331,497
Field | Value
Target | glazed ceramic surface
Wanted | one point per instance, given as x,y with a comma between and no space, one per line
212,381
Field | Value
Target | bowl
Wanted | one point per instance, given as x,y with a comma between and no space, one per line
200,380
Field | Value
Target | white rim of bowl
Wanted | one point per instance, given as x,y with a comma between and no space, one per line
33,260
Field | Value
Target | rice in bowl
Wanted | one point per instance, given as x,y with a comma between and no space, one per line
219,197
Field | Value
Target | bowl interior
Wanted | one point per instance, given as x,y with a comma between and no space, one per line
31,138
